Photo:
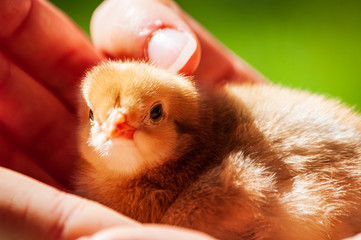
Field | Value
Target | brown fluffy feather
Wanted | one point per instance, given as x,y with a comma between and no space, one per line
243,161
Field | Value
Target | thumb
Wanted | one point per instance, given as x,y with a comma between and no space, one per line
32,210
148,232
159,31
144,29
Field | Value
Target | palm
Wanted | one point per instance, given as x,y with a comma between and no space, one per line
37,94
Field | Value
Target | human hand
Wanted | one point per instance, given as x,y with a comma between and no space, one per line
42,57
160,31
32,210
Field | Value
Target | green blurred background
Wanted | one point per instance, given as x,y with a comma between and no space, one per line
310,44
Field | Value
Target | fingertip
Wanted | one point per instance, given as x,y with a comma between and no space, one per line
145,30
175,50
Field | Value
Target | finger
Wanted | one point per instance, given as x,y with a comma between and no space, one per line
144,29
47,44
148,232
357,237
13,158
35,121
127,29
42,212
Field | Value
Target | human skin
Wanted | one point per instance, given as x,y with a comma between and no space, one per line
43,56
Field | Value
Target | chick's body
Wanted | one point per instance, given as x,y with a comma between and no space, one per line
239,162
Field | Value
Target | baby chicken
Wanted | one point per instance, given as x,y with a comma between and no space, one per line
237,162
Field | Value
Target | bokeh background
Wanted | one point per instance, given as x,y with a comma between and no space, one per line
308,44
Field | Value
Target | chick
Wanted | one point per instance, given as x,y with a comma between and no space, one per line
237,162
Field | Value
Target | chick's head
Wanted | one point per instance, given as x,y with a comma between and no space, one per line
135,116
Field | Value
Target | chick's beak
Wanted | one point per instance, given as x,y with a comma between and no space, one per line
116,126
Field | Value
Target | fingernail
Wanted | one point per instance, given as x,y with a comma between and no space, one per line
171,49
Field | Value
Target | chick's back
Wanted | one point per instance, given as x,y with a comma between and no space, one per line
293,168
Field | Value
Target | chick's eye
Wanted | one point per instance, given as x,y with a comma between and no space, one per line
156,113
91,115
